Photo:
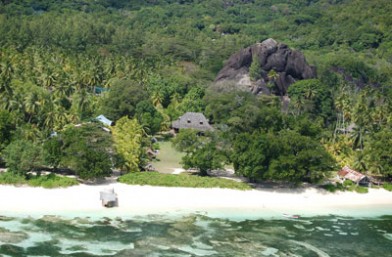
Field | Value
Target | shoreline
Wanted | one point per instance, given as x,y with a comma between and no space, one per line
139,201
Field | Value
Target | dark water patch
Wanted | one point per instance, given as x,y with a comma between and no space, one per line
12,250
50,248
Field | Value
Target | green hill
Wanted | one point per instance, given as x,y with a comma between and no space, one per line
54,54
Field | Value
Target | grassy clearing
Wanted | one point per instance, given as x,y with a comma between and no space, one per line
182,180
168,158
46,181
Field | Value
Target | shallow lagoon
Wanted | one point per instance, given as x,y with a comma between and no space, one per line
196,235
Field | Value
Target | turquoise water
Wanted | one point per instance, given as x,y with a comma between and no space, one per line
196,235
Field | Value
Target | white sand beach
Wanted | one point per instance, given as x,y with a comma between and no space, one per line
83,200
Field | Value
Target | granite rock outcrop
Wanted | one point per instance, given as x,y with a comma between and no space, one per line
279,67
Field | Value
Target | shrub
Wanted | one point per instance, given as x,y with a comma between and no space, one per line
348,183
361,190
387,186
52,181
330,188
182,180
47,181
22,156
8,178
333,188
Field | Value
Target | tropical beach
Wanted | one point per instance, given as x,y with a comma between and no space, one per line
83,200
173,221
183,128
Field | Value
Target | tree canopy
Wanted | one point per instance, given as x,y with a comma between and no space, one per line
127,136
88,151
285,156
63,63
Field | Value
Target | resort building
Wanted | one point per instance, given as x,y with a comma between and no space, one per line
101,118
192,120
355,176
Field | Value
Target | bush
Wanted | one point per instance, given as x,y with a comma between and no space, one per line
361,189
22,156
387,186
183,180
47,181
333,188
8,178
348,183
52,181
330,188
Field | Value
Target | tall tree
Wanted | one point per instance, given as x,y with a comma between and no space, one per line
285,156
378,152
87,150
22,156
7,126
127,136
122,99
201,152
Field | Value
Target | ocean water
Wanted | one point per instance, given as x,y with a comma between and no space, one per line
196,235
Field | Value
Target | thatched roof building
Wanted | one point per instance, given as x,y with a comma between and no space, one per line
355,176
192,120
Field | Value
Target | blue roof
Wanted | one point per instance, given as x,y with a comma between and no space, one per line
104,120
99,90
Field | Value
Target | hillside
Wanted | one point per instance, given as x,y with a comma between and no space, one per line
66,62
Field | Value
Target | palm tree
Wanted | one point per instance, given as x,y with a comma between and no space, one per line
310,93
358,135
6,74
48,80
32,104
157,99
50,116
81,103
62,90
61,118
360,162
175,99
55,118
299,105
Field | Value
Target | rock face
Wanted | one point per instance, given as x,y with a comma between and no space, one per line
279,67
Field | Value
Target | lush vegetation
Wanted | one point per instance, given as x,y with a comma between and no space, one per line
183,180
144,63
387,186
347,185
46,181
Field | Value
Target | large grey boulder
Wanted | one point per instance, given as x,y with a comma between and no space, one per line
288,66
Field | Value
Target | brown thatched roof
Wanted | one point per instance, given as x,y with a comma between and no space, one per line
192,120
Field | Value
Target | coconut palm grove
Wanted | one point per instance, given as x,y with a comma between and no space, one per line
293,90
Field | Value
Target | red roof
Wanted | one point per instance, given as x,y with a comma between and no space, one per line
350,174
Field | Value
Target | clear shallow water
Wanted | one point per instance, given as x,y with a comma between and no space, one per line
196,235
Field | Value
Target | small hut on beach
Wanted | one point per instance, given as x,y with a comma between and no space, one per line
355,176
108,198
192,120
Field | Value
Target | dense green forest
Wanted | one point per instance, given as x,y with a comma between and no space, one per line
144,63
